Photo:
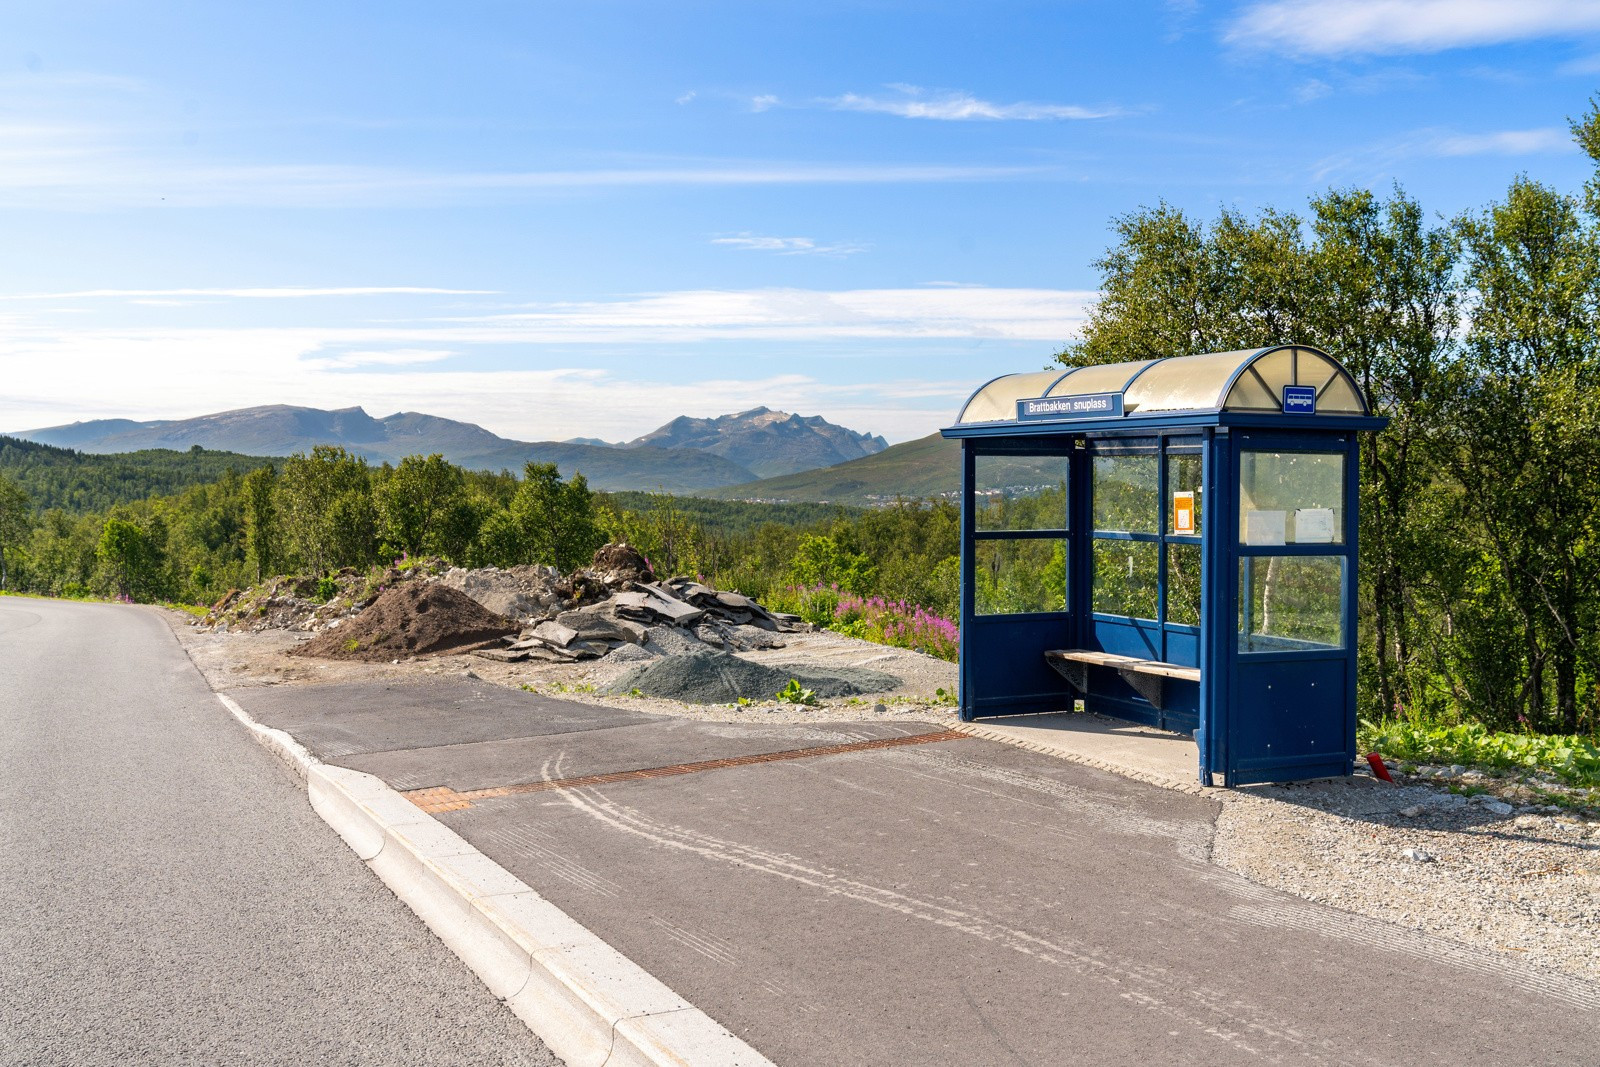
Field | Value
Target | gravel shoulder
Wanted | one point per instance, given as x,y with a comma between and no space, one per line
1522,883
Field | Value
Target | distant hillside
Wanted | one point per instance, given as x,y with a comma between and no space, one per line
686,455
927,467
78,482
769,443
280,430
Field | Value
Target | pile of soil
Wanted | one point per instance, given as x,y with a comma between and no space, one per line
710,677
414,619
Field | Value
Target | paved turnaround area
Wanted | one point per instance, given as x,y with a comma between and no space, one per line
891,894
167,896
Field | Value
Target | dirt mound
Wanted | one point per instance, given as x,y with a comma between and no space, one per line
414,619
707,677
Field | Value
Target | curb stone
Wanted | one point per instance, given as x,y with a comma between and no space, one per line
590,1004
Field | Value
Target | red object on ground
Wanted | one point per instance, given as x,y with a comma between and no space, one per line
1375,761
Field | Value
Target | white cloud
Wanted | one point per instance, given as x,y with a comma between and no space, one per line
1506,143
1355,27
160,297
952,106
1374,163
1311,90
684,98
763,102
1048,315
788,246
99,181
56,373
397,357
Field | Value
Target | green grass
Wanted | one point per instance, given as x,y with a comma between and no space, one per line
1574,760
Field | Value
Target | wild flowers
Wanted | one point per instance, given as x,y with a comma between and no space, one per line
878,619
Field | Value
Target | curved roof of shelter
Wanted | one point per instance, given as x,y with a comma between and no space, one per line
1247,380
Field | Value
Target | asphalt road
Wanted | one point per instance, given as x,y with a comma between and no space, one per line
957,902
167,896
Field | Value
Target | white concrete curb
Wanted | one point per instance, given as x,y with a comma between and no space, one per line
589,1003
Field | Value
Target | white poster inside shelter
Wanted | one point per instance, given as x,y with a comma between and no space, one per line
1313,526
1265,527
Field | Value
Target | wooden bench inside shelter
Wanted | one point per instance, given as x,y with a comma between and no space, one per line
1147,677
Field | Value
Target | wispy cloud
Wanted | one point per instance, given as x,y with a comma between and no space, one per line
161,297
1543,141
1355,27
1311,90
1374,163
788,246
913,102
92,180
428,363
398,357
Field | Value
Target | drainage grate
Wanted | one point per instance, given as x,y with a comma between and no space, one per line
437,799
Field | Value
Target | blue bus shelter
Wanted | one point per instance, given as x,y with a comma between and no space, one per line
1172,542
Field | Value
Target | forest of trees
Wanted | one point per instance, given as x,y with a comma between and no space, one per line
316,513
1478,336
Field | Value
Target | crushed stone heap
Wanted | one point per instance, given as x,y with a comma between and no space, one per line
413,619
707,676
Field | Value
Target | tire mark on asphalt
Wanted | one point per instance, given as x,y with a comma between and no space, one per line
1237,1023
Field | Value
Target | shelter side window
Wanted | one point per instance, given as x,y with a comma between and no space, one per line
1291,600
1291,498
1127,522
1289,603
1185,506
1019,534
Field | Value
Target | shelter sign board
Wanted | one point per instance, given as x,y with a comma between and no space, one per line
1299,400
1082,406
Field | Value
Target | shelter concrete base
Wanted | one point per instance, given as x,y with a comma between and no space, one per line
1129,749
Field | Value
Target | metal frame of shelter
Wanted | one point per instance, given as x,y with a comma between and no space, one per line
1259,448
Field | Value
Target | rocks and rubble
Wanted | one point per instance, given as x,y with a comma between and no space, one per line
654,616
310,604
615,602
520,593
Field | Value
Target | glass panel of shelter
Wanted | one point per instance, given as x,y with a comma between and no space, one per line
1147,508
1020,533
1291,587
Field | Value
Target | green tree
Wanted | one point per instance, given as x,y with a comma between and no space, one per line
261,533
556,518
422,506
133,557
1522,431
15,522
820,560
325,503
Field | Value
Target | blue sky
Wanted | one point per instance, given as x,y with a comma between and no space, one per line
586,219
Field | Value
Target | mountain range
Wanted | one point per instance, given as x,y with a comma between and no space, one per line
684,456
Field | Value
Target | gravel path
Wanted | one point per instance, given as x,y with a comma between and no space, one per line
1524,885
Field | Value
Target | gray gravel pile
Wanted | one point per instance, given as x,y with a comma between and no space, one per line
711,677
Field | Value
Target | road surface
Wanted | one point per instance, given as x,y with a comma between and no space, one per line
167,895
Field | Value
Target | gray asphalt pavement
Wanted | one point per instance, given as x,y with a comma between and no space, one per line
958,902
167,896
